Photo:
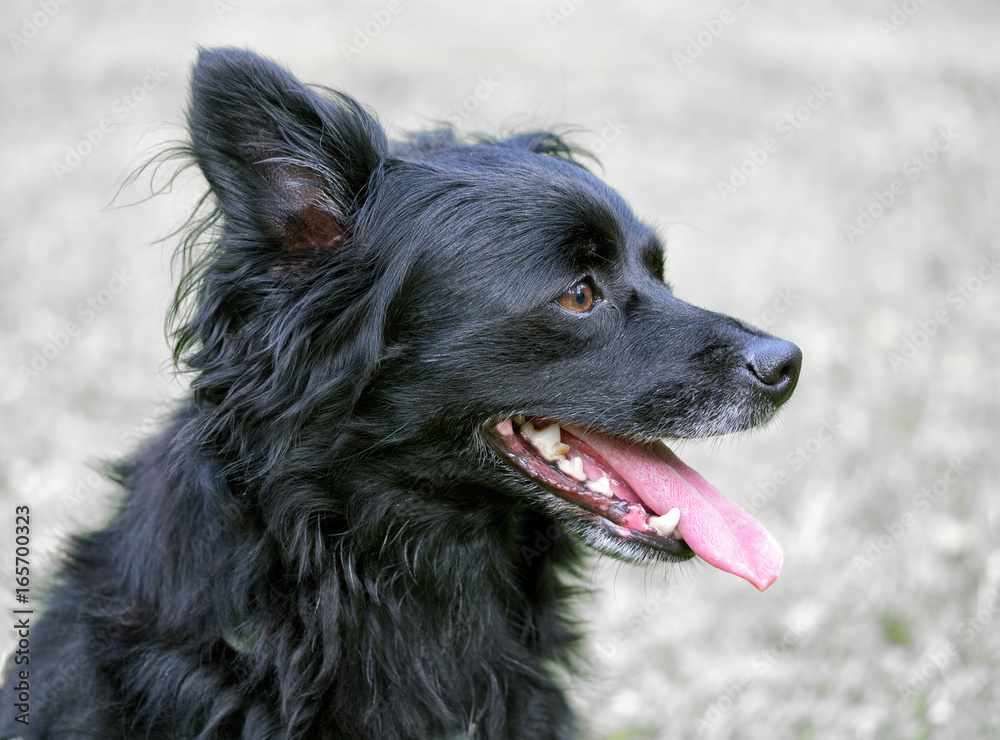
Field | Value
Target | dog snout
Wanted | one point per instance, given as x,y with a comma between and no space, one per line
774,365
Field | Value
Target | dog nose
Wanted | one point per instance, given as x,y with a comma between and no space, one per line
775,364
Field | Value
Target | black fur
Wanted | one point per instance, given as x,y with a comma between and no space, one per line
321,544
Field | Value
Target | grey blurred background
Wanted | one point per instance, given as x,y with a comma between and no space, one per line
827,170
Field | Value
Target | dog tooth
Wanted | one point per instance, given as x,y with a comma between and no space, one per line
519,420
547,441
573,468
602,486
667,523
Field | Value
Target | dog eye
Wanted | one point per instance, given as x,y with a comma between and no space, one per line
578,299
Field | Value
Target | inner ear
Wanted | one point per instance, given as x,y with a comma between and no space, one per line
312,227
288,166
307,217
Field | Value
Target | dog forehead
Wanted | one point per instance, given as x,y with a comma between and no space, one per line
501,198
467,221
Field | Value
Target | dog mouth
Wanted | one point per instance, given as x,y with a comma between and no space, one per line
641,493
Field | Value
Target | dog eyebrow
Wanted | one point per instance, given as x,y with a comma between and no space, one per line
594,247
604,242
597,235
654,257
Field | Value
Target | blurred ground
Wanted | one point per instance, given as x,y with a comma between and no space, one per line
879,479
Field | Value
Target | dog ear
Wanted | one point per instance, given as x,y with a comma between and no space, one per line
288,166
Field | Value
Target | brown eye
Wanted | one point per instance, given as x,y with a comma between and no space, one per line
579,299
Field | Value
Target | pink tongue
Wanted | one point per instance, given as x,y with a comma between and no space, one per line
719,531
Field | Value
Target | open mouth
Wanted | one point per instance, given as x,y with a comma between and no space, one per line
642,493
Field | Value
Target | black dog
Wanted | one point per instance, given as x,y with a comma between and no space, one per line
409,361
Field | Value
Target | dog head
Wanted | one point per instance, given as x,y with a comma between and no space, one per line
457,319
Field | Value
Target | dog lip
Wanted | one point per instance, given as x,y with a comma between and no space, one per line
648,477
617,515
717,529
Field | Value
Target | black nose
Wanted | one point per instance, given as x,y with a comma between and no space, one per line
775,365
